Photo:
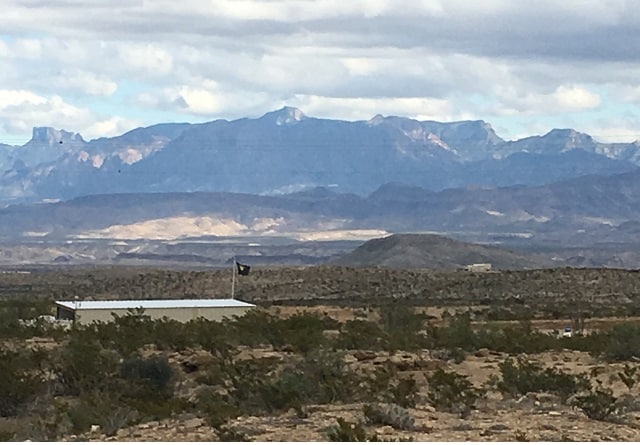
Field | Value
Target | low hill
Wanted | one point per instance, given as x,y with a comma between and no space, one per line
426,251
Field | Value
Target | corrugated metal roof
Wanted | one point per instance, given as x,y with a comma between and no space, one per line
154,304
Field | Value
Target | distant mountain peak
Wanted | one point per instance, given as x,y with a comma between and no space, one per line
376,120
49,135
285,116
565,132
571,138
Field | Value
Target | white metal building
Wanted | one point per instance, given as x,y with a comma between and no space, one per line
479,267
86,312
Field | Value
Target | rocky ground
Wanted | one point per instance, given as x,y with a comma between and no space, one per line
524,421
532,417
347,294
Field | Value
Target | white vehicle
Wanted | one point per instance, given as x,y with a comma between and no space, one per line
567,332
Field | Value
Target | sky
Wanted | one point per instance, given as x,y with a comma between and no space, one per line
103,67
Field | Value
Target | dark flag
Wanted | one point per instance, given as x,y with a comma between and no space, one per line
243,269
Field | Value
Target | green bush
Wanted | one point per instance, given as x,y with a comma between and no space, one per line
45,420
404,392
19,318
147,387
319,378
82,416
346,431
458,333
82,365
452,392
403,328
214,407
171,335
127,333
20,380
598,404
212,336
523,376
261,386
114,419
290,389
256,328
329,379
101,409
361,334
629,376
155,373
516,339
624,342
304,332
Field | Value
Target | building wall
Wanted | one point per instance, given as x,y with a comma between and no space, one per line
86,316
64,313
481,267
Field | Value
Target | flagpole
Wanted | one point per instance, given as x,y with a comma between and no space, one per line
233,280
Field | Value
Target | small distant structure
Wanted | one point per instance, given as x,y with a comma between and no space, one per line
86,312
478,267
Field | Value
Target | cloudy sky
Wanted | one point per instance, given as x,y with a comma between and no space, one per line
102,67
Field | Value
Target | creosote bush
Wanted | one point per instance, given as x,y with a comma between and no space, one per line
597,404
403,328
116,374
153,373
624,342
345,431
361,334
215,407
262,386
83,365
452,392
629,376
20,379
524,376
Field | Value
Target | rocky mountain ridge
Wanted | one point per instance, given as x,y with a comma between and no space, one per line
285,151
589,221
581,205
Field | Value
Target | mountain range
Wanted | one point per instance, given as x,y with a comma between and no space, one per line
585,211
286,151
290,189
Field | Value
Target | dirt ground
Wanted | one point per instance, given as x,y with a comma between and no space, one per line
496,417
534,417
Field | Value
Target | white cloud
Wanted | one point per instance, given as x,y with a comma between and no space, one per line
148,59
11,98
89,83
207,99
112,126
615,130
626,93
20,110
576,98
366,108
516,101
431,59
